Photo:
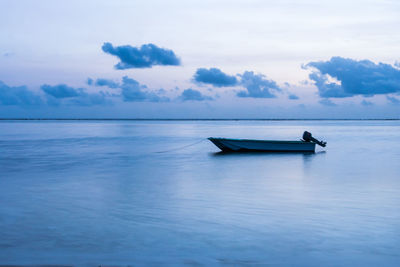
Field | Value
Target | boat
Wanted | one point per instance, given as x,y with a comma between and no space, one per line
307,144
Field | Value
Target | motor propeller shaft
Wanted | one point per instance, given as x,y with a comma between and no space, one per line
307,136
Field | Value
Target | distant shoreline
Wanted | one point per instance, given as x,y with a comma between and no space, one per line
160,119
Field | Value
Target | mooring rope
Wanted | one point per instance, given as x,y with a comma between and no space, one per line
182,147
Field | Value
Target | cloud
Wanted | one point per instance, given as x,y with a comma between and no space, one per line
397,64
393,100
326,88
146,56
193,95
61,90
19,95
327,102
54,96
214,77
293,97
354,77
90,99
257,86
132,91
106,82
64,94
89,81
366,103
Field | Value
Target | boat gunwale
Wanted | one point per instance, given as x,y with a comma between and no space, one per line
261,141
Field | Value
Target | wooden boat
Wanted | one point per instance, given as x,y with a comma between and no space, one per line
307,144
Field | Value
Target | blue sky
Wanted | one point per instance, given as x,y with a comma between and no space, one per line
199,59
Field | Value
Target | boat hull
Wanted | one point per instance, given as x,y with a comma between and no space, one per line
244,145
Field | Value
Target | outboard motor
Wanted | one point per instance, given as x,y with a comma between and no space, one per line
308,138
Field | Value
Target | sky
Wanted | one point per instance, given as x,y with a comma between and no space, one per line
200,59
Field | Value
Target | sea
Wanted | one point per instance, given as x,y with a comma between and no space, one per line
158,193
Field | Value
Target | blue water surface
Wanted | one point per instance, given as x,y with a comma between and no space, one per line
90,193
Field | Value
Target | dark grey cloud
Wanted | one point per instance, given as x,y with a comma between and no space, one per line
55,95
133,91
257,86
293,97
327,89
90,99
61,90
18,95
106,82
327,102
63,94
130,90
362,77
393,100
193,95
146,56
214,77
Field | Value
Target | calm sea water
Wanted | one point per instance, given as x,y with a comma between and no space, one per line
100,193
